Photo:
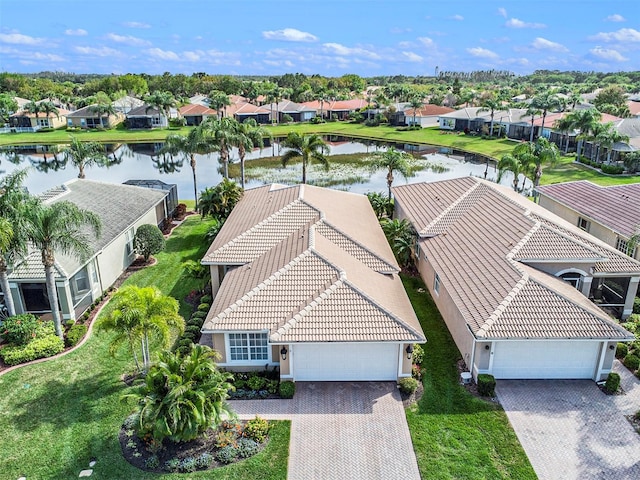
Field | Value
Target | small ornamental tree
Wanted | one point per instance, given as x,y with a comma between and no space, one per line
148,241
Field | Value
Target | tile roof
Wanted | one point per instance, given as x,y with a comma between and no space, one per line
428,111
480,238
616,207
31,267
196,109
302,277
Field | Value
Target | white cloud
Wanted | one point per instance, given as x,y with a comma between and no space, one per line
622,35
192,56
543,44
607,54
128,40
78,32
482,52
397,30
412,57
50,57
162,54
502,12
20,53
289,35
341,50
457,17
19,39
426,41
516,23
279,63
98,51
615,18
136,25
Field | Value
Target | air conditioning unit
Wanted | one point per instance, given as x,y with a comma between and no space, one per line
465,378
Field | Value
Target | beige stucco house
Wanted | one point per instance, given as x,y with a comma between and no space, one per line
304,279
88,117
122,209
611,214
516,284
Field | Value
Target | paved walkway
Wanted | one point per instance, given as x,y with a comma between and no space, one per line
571,430
342,430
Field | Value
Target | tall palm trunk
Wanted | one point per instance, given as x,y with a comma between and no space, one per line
81,170
532,128
52,293
133,351
491,132
389,181
241,153
4,282
195,183
304,170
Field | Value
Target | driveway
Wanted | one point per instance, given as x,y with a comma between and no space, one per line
342,430
571,430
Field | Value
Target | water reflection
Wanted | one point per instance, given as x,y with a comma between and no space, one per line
143,161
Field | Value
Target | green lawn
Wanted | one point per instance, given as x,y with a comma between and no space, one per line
55,416
456,435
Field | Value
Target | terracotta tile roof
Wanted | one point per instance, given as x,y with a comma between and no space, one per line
244,108
196,109
616,207
428,110
305,279
478,236
634,107
23,113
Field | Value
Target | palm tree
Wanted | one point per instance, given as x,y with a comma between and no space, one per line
195,143
161,101
608,137
248,135
599,132
565,125
491,105
518,162
84,154
218,201
219,100
392,161
15,205
544,152
532,112
310,148
415,102
139,313
401,237
221,133
49,108
101,109
60,227
545,102
584,121
33,107
183,396
381,204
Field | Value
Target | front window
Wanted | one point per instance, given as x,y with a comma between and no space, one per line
436,284
584,224
80,285
248,347
624,247
129,241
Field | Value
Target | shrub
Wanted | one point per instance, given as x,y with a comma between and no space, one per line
195,322
204,307
286,118
75,334
199,314
195,269
181,210
193,329
227,454
272,386
613,383
256,429
172,465
636,305
152,462
418,354
408,385
247,447
416,372
204,461
632,362
44,345
185,342
316,120
206,299
148,240
287,389
226,437
188,335
612,169
19,329
256,383
188,464
622,350
486,385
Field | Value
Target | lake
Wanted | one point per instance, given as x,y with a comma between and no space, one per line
140,161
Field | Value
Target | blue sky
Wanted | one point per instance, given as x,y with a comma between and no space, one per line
330,37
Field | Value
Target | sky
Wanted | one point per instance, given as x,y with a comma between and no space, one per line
330,37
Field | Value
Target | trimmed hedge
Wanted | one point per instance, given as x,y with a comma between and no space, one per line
75,334
408,385
287,389
46,344
486,385
204,307
199,314
632,362
622,349
613,383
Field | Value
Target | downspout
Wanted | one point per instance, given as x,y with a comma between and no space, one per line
473,351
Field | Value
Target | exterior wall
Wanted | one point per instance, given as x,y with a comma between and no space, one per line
406,365
609,357
555,268
483,356
285,366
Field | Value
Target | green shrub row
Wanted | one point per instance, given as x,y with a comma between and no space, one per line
75,334
486,385
613,383
46,344
408,385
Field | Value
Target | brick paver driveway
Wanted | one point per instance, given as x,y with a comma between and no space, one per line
342,430
571,430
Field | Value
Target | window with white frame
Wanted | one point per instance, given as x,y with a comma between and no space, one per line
584,224
129,241
248,347
436,284
623,245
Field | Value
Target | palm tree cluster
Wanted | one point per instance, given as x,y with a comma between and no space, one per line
527,159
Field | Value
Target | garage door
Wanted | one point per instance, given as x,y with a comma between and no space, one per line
345,361
541,359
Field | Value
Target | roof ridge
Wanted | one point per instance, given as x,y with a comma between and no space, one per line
368,250
562,234
451,207
524,240
497,313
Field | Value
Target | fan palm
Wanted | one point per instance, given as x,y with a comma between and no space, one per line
60,227
84,154
392,161
183,396
248,135
309,148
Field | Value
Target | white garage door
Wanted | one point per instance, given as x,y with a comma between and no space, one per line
345,361
545,359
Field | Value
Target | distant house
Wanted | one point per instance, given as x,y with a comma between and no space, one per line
194,114
611,214
87,117
146,117
126,104
339,109
426,116
297,111
243,111
122,209
25,121
304,280
472,119
521,290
